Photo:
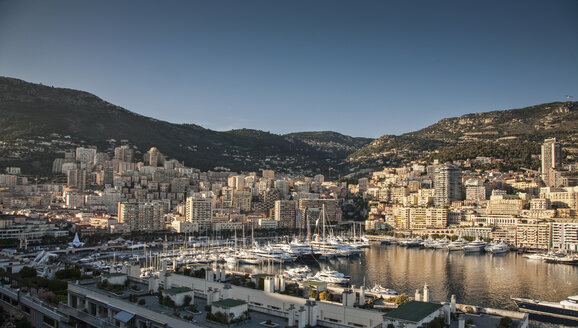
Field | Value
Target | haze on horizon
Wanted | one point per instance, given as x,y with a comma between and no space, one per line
362,68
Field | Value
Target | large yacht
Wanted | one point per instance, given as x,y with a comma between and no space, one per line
566,309
457,245
475,246
498,248
332,277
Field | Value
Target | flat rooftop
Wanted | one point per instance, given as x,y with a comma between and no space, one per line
413,311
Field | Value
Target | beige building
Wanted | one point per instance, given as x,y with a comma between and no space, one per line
533,235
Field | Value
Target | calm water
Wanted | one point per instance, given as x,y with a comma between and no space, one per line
479,279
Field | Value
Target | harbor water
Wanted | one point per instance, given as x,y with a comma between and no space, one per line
480,279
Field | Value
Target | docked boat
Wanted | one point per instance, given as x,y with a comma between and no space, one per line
382,291
298,273
429,243
475,246
441,244
457,245
498,248
566,309
331,276
411,242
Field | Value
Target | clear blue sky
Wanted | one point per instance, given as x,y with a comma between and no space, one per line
362,68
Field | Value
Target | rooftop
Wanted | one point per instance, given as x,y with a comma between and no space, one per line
177,290
114,274
413,311
229,303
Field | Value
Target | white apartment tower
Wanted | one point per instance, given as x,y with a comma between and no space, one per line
448,185
199,209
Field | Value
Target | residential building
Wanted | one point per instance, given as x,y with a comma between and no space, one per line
447,185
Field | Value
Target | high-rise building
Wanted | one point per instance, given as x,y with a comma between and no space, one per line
447,185
143,216
85,156
283,187
76,179
286,213
199,209
124,153
475,190
154,157
332,208
551,160
242,200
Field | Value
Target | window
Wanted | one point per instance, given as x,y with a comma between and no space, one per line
49,321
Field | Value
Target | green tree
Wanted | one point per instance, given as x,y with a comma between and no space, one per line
505,322
28,272
401,299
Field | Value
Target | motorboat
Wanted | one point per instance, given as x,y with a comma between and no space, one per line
331,276
441,243
382,291
457,245
499,248
411,242
475,246
298,273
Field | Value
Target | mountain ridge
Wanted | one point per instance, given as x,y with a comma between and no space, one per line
29,110
492,134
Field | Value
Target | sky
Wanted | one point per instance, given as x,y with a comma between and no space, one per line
361,68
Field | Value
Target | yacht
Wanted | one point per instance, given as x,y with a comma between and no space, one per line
457,245
248,258
382,291
441,243
429,243
566,309
499,248
298,273
304,252
411,242
475,246
331,276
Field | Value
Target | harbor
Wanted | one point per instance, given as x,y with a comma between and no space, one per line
481,279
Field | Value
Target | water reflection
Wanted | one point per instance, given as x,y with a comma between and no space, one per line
480,279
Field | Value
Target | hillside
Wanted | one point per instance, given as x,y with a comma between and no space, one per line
38,123
514,135
329,141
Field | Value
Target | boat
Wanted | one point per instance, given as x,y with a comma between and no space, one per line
457,245
382,291
498,248
429,243
475,246
566,309
411,242
298,273
561,258
331,276
441,243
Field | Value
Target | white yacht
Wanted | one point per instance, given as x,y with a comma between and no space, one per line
298,274
441,243
382,291
475,246
331,276
499,248
410,242
457,245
